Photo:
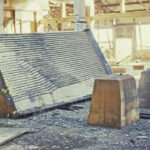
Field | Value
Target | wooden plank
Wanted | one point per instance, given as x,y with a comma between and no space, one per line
122,4
4,109
56,20
35,21
14,20
8,134
118,70
138,67
140,36
121,15
88,16
134,41
66,1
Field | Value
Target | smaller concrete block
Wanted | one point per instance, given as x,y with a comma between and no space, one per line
114,101
144,89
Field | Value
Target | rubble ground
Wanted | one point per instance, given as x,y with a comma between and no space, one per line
68,129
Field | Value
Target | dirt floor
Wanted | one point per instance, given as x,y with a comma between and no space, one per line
67,129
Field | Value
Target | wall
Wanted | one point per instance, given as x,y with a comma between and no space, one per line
1,16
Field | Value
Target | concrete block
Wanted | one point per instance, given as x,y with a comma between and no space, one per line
144,89
114,101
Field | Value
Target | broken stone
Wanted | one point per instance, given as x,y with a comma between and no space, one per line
142,137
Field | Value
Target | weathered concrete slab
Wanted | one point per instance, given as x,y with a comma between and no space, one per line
8,134
114,101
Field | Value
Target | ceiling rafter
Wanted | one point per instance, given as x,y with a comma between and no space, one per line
127,3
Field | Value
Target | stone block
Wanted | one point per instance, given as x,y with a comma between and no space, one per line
114,101
144,89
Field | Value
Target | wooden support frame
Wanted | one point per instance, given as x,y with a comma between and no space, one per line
20,26
35,21
56,20
134,43
121,15
126,3
122,4
14,19
140,34
88,16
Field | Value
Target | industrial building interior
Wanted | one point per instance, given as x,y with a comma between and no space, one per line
73,72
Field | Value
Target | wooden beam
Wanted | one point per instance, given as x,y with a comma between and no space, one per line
127,3
20,26
121,15
62,1
134,41
14,20
114,42
63,10
56,20
140,35
11,9
122,4
88,16
35,21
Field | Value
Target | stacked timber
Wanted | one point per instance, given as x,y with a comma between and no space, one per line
69,10
114,101
54,10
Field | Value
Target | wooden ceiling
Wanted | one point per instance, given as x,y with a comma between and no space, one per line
109,6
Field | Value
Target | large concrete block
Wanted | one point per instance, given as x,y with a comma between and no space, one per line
144,89
114,101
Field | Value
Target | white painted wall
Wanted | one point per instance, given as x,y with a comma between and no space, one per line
123,48
1,16
92,6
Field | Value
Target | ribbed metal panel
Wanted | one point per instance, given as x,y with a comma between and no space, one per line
39,68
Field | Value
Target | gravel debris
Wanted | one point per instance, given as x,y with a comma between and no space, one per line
63,129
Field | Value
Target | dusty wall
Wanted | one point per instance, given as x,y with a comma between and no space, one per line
1,16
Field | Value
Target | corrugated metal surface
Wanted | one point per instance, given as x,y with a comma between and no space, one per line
45,69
